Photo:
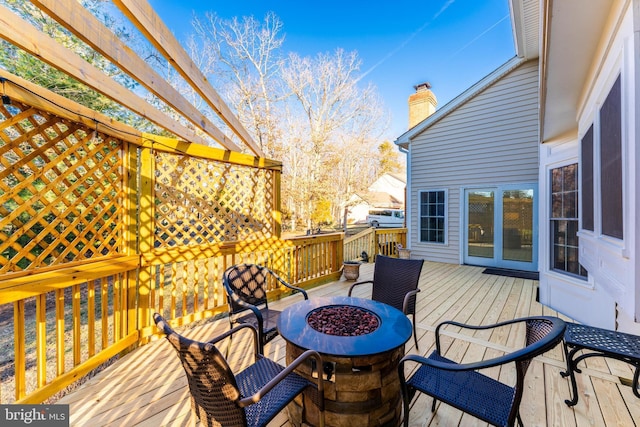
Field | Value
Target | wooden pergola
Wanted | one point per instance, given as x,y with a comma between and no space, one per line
102,224
80,22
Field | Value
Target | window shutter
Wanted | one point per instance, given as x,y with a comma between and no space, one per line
587,180
611,163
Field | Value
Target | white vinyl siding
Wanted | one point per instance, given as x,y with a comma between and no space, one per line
490,139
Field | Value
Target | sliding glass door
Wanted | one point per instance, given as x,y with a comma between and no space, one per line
500,228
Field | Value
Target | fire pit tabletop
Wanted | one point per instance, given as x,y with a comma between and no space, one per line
394,329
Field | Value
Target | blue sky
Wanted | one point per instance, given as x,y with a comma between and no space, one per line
450,43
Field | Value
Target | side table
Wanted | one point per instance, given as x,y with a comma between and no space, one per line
598,342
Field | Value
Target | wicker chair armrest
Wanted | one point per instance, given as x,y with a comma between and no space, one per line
358,283
235,329
245,305
474,327
473,366
547,343
494,325
407,297
249,400
294,288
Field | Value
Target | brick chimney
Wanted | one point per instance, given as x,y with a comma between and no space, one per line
422,104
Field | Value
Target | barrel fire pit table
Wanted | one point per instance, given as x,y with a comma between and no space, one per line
361,342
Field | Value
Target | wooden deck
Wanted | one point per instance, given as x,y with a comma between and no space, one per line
148,387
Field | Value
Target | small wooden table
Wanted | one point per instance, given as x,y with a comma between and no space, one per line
362,387
598,342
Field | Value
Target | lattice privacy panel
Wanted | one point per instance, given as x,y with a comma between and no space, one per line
202,201
61,190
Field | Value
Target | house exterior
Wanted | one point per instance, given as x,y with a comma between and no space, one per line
470,162
391,184
548,141
590,118
385,192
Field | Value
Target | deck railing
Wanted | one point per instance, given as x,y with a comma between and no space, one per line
186,286
374,241
70,321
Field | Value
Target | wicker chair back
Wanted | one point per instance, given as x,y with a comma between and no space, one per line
213,387
393,278
249,283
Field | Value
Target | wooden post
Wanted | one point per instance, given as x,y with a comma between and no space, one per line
339,254
130,178
41,340
19,346
145,232
344,219
277,204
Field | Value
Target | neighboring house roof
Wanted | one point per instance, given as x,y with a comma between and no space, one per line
404,139
379,199
382,200
385,192
401,178
390,184
388,181
355,199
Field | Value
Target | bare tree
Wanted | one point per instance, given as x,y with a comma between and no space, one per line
341,121
312,113
247,58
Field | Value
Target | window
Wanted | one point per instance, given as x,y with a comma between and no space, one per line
611,163
564,221
432,216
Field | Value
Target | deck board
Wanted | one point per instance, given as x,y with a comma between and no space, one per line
148,388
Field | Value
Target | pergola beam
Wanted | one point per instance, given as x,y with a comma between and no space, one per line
23,91
142,15
20,33
86,27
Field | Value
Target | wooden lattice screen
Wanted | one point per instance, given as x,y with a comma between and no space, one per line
97,225
62,193
61,186
200,201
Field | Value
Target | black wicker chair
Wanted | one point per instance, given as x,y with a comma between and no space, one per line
246,288
395,282
253,397
461,386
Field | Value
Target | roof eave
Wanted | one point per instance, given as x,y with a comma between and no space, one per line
571,39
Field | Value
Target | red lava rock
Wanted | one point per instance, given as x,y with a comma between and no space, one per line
343,320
